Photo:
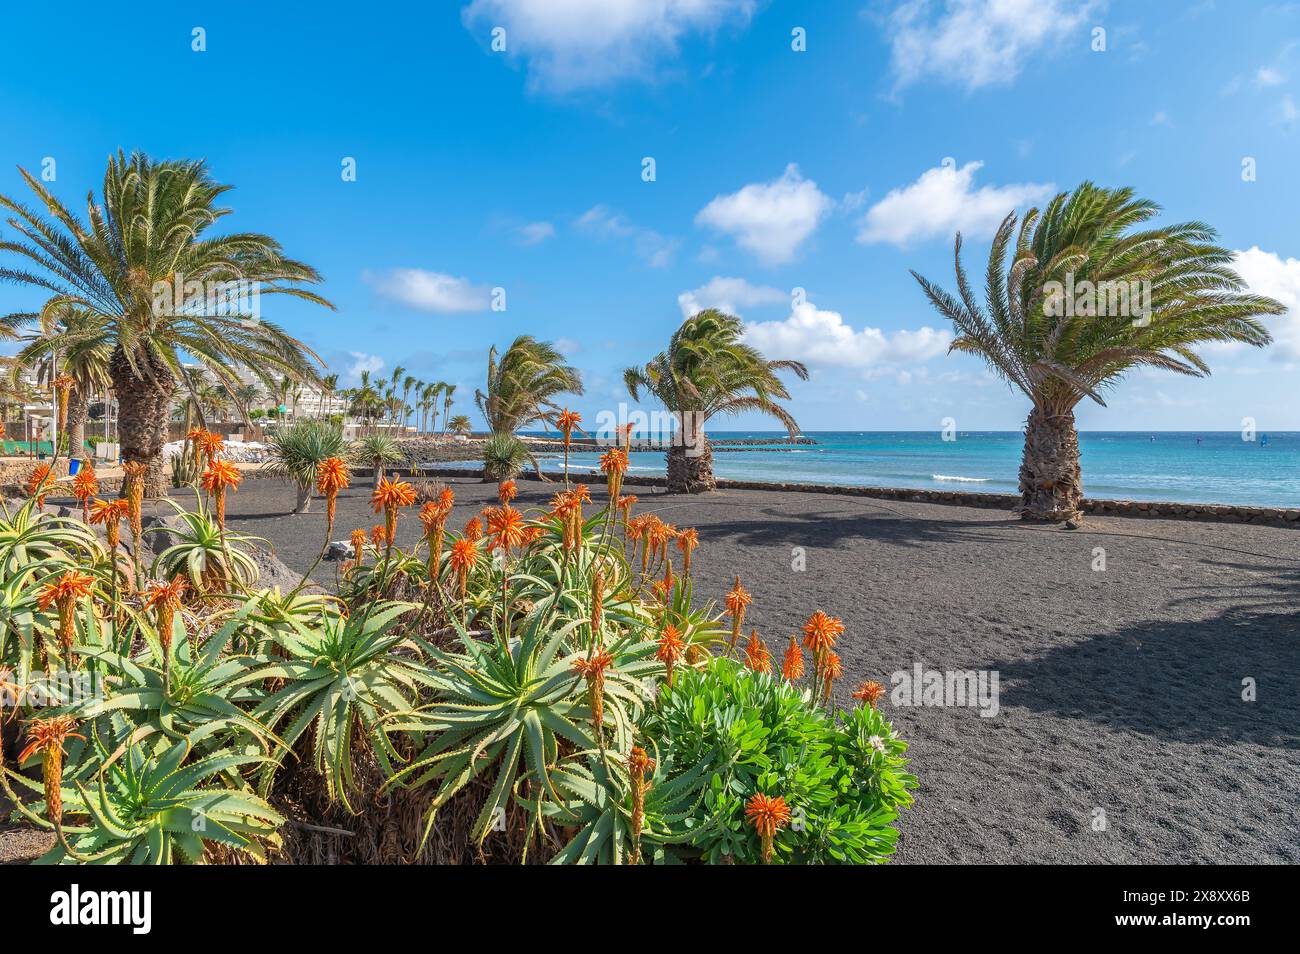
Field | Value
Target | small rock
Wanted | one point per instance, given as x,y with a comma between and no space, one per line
338,550
1072,525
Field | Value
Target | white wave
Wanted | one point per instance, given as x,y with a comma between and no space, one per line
963,480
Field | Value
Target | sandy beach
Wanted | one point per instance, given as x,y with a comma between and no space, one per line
1120,690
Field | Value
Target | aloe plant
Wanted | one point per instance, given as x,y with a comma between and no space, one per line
210,557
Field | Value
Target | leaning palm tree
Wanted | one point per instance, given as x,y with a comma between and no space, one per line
521,385
1061,322
134,261
706,371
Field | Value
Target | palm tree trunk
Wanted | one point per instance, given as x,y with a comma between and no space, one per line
690,462
144,405
1051,483
78,412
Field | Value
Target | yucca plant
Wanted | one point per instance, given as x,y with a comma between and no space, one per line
296,454
376,451
504,456
343,677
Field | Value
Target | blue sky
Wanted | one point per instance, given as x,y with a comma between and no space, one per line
834,170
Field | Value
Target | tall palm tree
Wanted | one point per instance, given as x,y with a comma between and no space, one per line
408,382
149,233
328,384
431,395
391,390
245,396
447,391
76,338
521,385
1059,349
707,370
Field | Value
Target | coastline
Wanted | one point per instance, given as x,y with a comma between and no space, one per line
1218,513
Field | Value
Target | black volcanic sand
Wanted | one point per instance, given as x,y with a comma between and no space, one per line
1120,691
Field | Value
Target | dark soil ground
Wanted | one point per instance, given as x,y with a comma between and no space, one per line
1122,734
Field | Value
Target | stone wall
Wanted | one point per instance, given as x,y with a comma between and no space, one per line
1226,513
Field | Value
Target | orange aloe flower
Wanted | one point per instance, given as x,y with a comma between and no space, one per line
389,495
831,670
378,534
135,471
109,513
664,588
212,445
671,649
625,504
767,815
757,656
507,526
331,477
165,600
566,421
359,546
738,600
195,435
84,486
821,631
473,528
613,464
507,491
64,592
36,484
47,736
434,517
63,385
792,662
639,764
464,554
597,603
687,541
219,475
593,670
869,692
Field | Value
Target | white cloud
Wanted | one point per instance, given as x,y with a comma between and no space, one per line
822,338
770,219
1267,273
567,346
580,44
657,250
729,295
363,362
1268,76
430,291
535,233
976,42
942,201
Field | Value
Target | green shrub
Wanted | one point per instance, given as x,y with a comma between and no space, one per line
504,455
844,782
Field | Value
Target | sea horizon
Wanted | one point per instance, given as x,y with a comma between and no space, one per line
1176,466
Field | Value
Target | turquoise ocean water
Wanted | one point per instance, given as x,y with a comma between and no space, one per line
1188,467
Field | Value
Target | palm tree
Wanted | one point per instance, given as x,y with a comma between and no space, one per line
328,385
707,370
245,395
431,395
1059,347
391,391
76,337
459,424
142,242
447,391
521,385
407,383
